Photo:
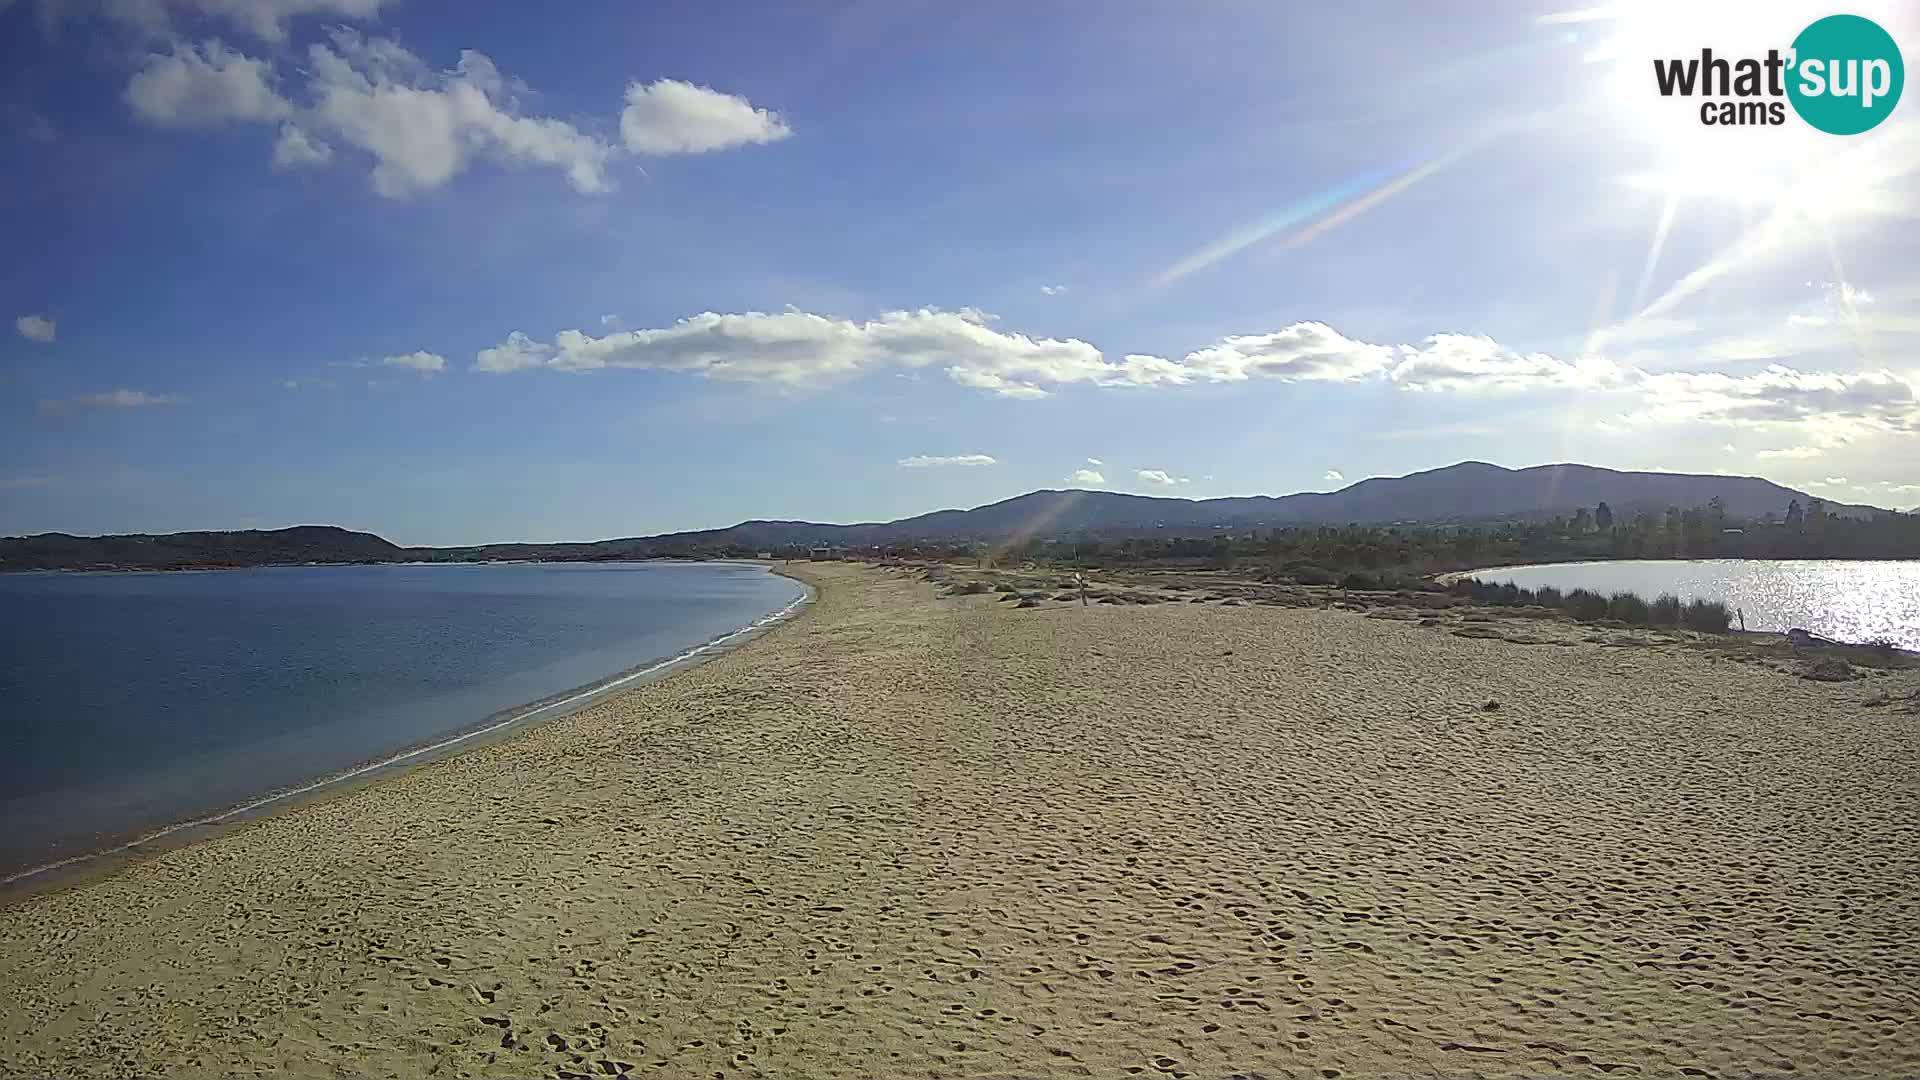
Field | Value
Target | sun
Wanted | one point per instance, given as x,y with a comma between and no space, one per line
1760,165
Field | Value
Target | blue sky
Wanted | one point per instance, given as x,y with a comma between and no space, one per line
461,273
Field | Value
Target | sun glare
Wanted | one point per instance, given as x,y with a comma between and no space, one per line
1760,165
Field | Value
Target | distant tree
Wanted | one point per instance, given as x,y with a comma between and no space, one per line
1796,518
1816,515
1603,517
1582,522
1717,513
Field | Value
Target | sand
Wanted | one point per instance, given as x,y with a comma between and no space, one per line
904,836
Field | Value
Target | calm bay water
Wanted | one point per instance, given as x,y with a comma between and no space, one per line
1848,600
128,701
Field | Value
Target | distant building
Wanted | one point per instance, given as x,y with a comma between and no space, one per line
826,554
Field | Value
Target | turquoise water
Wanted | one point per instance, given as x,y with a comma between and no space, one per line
1847,600
128,701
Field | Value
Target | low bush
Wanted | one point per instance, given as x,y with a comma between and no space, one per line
1586,605
1628,608
1363,582
1666,610
1706,616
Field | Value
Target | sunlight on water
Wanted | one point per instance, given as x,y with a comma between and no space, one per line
1855,601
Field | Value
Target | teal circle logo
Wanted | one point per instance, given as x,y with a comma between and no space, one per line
1847,74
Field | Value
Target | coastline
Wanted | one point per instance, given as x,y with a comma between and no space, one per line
909,836
118,851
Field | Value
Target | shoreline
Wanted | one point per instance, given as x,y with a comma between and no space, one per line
118,851
911,835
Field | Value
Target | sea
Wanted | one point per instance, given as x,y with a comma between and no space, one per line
1846,600
136,704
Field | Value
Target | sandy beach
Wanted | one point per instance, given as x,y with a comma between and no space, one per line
909,836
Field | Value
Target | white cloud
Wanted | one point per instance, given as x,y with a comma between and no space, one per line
297,149
1306,350
1096,462
35,328
801,349
1462,362
1832,402
797,348
420,127
926,461
205,85
1792,452
424,127
1807,321
1090,477
674,117
1053,290
1160,477
112,399
419,360
517,353
1334,476
1834,481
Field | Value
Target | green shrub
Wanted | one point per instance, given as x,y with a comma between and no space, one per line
1548,596
1364,582
1315,575
1628,608
1586,605
1666,610
1706,616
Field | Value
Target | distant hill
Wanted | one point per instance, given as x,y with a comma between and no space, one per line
172,551
1469,491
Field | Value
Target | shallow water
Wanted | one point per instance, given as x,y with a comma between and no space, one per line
1848,600
128,701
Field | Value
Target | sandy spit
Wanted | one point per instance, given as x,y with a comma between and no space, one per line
909,837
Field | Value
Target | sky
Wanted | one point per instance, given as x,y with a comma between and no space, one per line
460,273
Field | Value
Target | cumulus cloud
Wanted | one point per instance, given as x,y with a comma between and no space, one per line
516,353
1873,400
111,399
1464,363
1160,478
930,461
418,126
423,127
1095,462
205,85
419,360
1334,475
802,349
1052,290
673,117
1090,477
296,149
1792,452
797,348
1303,351
35,328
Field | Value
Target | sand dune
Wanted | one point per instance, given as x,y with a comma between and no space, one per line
907,837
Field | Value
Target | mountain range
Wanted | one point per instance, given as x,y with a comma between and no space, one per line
1467,492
